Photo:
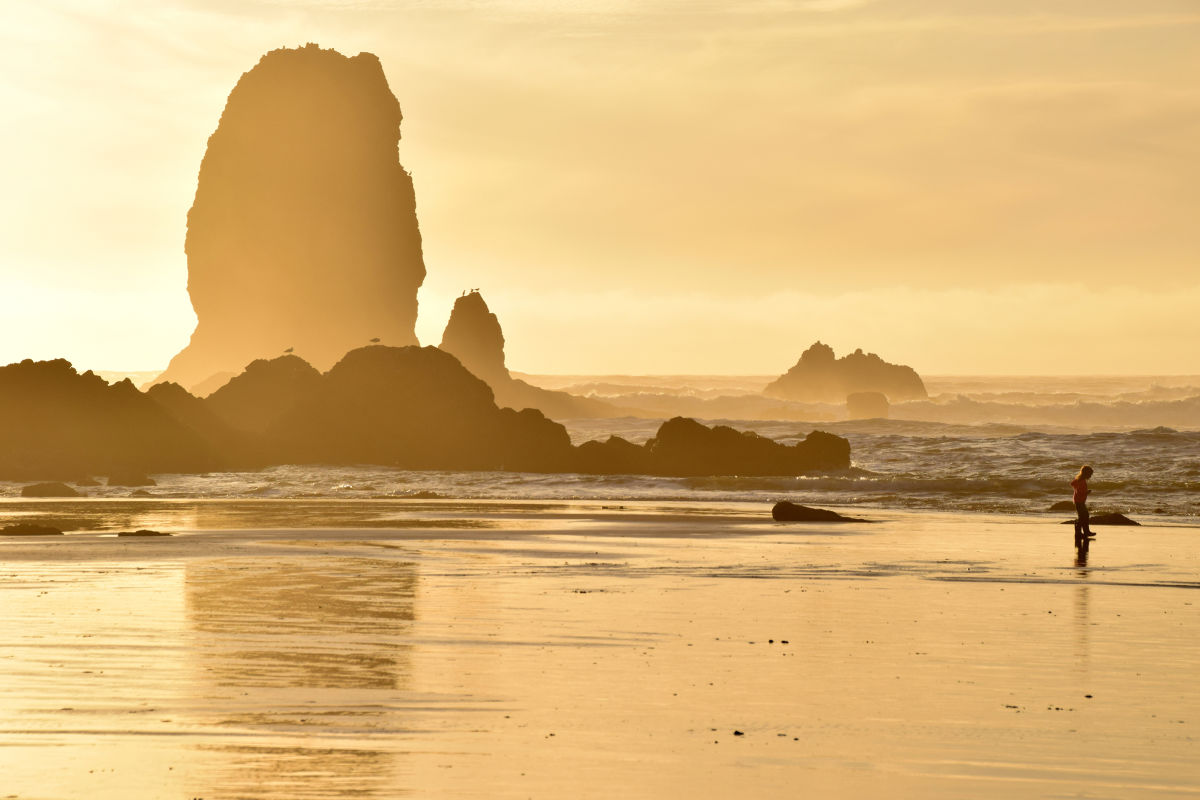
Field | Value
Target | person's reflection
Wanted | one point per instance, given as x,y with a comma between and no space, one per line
1082,617
291,651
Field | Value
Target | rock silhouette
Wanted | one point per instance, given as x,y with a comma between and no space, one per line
49,489
1111,518
263,393
303,233
784,511
474,336
684,447
821,377
408,407
411,407
57,424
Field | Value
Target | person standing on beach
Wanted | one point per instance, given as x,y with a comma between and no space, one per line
1079,484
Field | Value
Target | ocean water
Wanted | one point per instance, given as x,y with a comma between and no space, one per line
1005,467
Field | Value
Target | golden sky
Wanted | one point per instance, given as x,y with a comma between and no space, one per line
637,186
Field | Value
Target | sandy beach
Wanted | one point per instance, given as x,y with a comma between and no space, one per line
573,650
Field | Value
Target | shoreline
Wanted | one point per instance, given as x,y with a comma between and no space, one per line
590,652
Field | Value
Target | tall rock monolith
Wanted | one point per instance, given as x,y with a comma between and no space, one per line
303,234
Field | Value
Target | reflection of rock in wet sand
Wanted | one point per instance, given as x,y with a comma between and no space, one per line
293,655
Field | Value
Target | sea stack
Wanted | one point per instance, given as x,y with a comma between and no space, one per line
474,337
303,234
820,377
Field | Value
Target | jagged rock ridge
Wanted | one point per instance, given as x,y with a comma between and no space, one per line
408,407
820,377
303,233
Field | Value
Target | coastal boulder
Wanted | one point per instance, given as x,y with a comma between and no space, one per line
684,447
1106,519
303,232
784,511
614,456
820,377
49,489
29,529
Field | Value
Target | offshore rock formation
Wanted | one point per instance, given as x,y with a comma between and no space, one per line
410,407
407,407
303,233
683,447
819,377
473,336
58,424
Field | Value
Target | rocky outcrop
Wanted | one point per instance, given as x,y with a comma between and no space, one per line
820,377
685,447
784,511
407,407
29,529
266,391
303,233
49,489
58,424
412,407
473,336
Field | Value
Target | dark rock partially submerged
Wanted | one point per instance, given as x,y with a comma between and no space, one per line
142,533
1106,519
784,511
29,529
53,489
684,447
1063,505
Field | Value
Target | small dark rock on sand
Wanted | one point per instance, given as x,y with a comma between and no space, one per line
142,533
1106,519
784,511
29,529
49,490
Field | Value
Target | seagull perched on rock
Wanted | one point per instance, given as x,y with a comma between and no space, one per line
290,349
375,340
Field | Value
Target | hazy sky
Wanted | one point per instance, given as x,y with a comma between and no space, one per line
966,186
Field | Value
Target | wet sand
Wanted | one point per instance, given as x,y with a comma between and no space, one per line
572,650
